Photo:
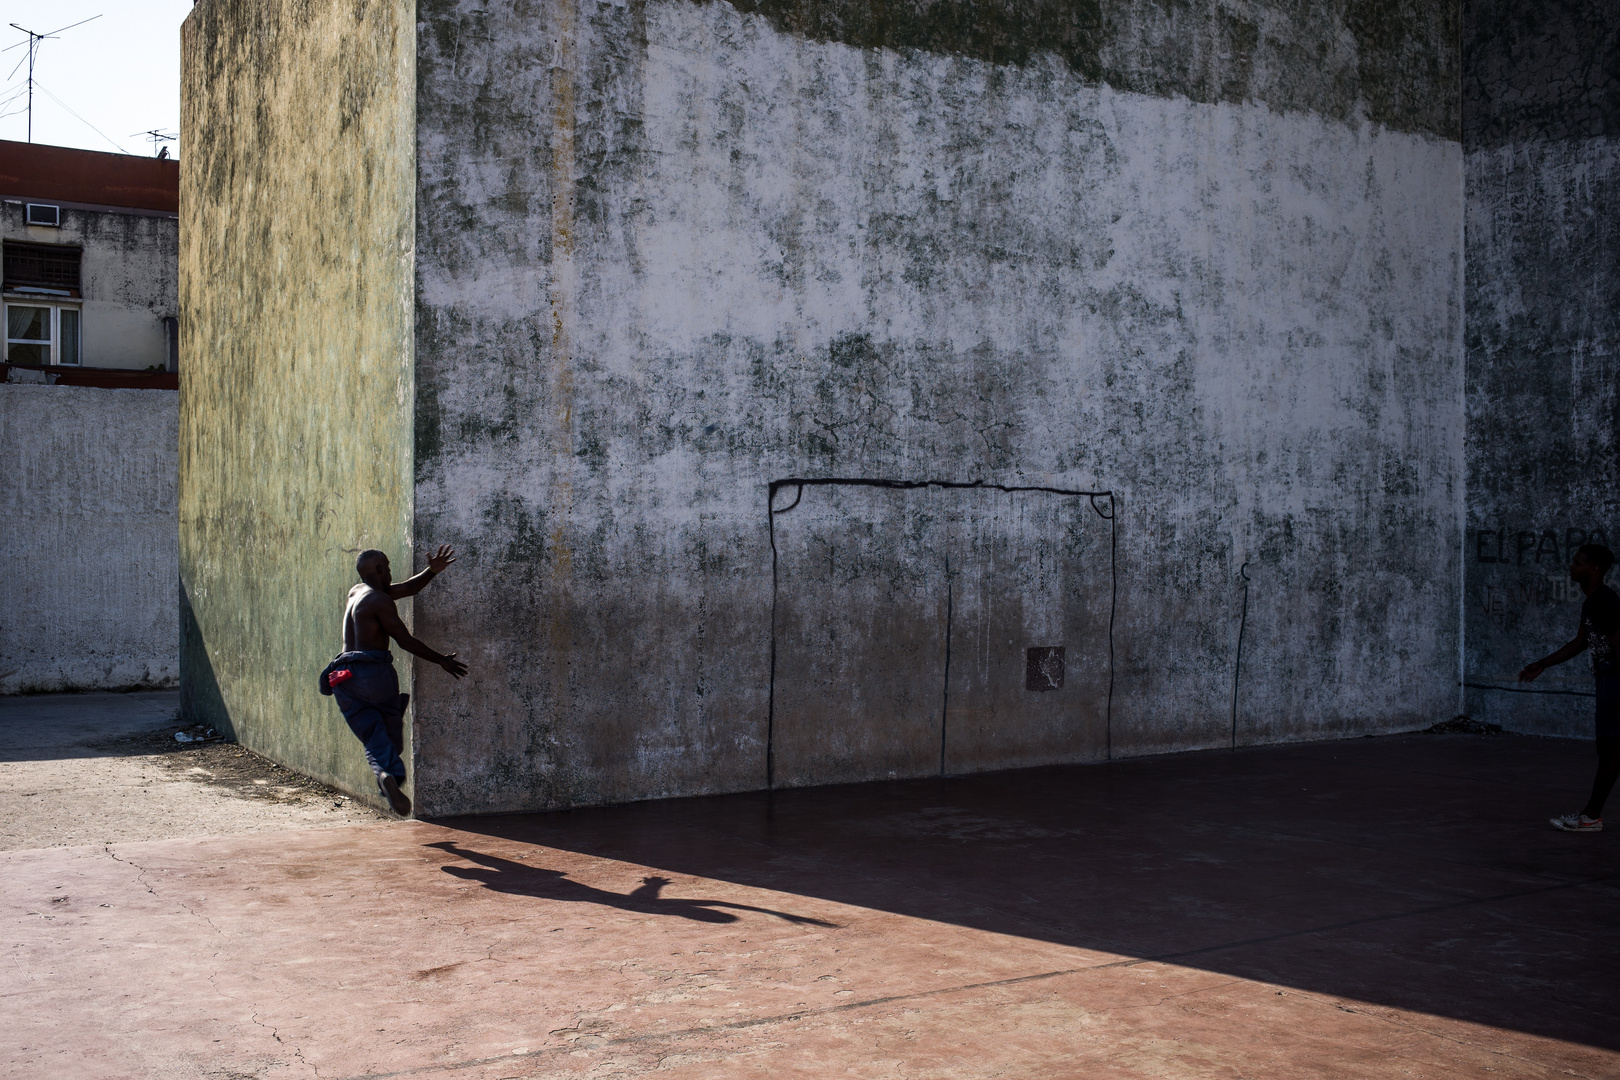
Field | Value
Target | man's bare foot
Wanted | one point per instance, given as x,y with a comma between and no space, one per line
396,797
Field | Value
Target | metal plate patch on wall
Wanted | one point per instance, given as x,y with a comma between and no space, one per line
1043,667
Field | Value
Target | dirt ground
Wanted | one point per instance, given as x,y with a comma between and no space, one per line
106,768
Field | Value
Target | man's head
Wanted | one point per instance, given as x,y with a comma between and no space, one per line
372,566
1591,561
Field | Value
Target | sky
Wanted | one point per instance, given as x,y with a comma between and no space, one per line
119,73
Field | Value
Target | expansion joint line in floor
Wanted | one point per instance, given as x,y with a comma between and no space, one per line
735,1025
646,1038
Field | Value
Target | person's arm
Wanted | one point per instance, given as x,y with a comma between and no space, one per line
394,626
1570,651
413,585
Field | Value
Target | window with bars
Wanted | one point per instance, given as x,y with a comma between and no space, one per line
35,267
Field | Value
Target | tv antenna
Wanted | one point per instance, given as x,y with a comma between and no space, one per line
33,43
157,137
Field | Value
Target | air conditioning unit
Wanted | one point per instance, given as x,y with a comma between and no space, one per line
44,214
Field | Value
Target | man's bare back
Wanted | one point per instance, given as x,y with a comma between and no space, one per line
362,629
371,617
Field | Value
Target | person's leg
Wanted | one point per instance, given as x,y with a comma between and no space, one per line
1608,770
1607,729
371,704
376,687
393,774
395,722
370,726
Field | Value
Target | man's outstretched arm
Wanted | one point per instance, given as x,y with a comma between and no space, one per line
395,628
413,585
1570,651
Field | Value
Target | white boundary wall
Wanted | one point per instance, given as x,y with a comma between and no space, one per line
88,596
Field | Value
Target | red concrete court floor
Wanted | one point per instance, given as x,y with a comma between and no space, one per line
1391,907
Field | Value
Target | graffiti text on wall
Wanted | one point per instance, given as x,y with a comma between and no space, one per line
1526,548
1496,602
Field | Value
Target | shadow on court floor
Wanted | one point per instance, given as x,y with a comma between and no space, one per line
1344,911
1414,872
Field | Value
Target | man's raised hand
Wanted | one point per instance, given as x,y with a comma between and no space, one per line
442,558
452,665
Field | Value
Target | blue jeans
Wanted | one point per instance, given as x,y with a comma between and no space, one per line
375,709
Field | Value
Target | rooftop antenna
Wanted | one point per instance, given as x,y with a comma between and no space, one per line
33,43
157,136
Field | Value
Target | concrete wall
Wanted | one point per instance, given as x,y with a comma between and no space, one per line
87,600
1206,259
295,411
1542,131
129,275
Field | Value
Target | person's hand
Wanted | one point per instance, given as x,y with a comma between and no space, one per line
442,558
453,666
1530,672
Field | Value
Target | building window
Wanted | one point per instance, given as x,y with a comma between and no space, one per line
171,341
40,329
39,334
41,269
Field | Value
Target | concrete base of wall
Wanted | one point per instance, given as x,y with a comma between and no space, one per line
1566,713
116,673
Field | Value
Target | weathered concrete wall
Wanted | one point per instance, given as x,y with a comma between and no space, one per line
87,600
128,273
296,400
1205,258
1542,129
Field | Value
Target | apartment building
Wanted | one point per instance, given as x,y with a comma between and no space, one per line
90,262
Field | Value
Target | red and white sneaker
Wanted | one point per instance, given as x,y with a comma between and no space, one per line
1578,823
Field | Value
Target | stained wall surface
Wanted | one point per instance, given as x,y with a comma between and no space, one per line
87,601
1542,135
295,270
1206,259
936,629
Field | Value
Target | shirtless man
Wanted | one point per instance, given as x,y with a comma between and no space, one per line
362,678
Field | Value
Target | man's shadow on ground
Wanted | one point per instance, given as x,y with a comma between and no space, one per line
520,879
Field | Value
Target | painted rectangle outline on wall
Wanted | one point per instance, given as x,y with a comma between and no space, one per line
1102,502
